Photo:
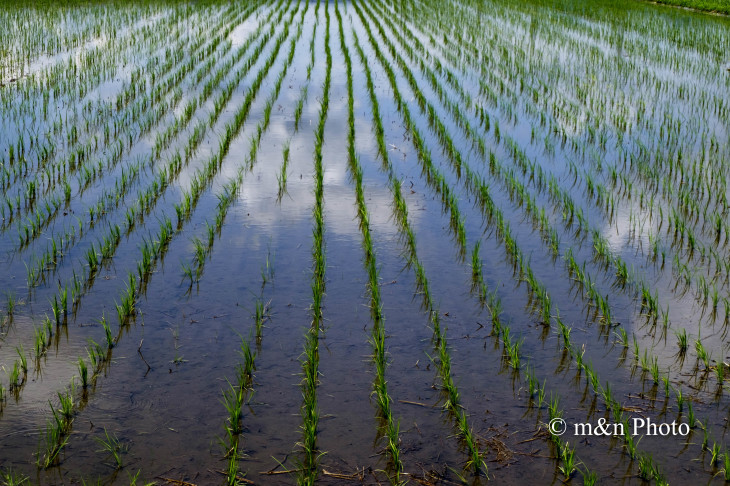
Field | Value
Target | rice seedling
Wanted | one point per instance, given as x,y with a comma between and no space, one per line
702,354
83,373
188,273
453,81
654,368
246,371
41,338
107,332
267,270
623,338
63,292
11,478
111,445
14,378
720,375
637,354
590,478
133,479
715,453
92,259
725,470
299,107
232,478
568,465
604,310
680,399
691,419
10,303
310,359
476,263
56,309
67,408
553,410
682,340
48,454
646,467
512,349
200,251
629,443
126,308
592,378
261,314
22,360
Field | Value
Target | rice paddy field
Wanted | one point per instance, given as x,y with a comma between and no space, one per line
364,242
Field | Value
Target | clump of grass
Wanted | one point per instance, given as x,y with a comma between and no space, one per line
261,314
512,349
282,176
22,360
126,308
245,374
682,341
476,262
680,399
66,401
83,373
54,441
647,468
568,461
10,303
267,269
16,382
107,332
629,443
725,471
42,338
112,445
10,478
188,272
691,418
715,454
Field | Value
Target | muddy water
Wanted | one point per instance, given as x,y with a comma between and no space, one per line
160,392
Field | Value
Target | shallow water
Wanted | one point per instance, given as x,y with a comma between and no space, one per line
160,386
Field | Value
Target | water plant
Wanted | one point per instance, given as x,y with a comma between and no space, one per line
568,465
111,445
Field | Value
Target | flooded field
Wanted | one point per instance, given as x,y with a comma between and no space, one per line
364,242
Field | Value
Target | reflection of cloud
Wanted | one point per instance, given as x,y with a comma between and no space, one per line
239,35
107,90
619,232
258,205
617,235
44,61
261,209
